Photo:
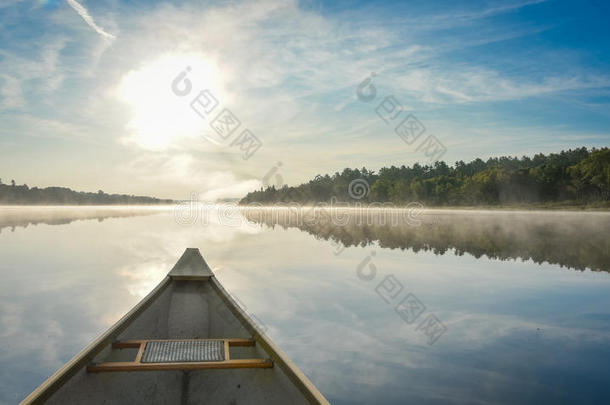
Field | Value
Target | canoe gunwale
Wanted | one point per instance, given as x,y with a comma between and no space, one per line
279,358
82,359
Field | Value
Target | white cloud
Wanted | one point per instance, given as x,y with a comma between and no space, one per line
474,84
41,70
224,184
82,11
180,174
11,95
26,125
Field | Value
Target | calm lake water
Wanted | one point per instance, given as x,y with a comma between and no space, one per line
455,307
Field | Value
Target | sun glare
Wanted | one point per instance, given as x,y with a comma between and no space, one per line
159,116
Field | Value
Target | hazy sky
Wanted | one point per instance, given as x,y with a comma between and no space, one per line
86,96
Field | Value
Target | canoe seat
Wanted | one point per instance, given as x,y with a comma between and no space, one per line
184,354
175,351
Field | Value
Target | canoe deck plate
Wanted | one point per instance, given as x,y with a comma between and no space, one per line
173,351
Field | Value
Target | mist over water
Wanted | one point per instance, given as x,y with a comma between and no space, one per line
522,325
20,216
577,240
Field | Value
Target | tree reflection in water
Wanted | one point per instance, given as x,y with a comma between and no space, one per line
17,216
577,240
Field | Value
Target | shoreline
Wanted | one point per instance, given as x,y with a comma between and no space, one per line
529,207
524,207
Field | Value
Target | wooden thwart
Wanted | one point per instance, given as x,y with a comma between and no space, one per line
137,364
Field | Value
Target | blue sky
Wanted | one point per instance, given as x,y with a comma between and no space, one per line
85,96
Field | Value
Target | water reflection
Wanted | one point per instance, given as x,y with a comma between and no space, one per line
575,240
517,332
23,216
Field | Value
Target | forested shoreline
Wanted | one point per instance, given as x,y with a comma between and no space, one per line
578,177
13,194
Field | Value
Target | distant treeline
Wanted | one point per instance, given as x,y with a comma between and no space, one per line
580,176
13,194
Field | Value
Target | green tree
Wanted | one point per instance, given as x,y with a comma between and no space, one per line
577,174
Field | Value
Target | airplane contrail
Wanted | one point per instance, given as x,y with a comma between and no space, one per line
82,11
